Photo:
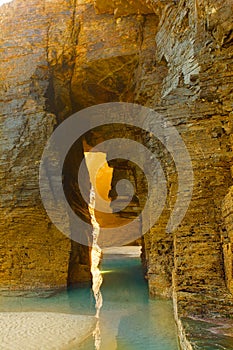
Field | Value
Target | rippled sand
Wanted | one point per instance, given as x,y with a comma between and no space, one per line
43,330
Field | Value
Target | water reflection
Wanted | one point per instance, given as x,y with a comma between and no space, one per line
128,320
95,271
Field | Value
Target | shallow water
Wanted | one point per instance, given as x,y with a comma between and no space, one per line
128,319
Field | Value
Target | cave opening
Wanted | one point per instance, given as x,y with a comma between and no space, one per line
117,274
80,79
114,207
101,179
87,87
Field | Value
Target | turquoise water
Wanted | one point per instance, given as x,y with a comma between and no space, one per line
128,319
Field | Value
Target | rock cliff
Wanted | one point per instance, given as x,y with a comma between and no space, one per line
58,57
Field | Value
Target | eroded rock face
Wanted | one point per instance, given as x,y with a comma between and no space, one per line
227,234
173,56
34,253
197,62
123,8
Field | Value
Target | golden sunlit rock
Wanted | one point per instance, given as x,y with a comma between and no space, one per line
173,56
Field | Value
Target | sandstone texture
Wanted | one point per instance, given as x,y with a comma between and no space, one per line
58,57
34,253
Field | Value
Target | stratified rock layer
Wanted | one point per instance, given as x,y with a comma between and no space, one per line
58,57
34,253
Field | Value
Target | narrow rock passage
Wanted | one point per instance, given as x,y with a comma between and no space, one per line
128,319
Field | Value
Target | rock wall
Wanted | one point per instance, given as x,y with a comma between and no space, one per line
194,42
34,254
227,231
174,56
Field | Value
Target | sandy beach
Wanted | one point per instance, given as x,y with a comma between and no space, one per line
130,251
43,330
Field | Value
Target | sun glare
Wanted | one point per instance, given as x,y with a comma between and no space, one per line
4,2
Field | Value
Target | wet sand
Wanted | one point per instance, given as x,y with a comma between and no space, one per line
43,330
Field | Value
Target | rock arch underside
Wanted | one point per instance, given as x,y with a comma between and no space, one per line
59,57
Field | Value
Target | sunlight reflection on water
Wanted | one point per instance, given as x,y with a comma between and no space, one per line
128,319
95,271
